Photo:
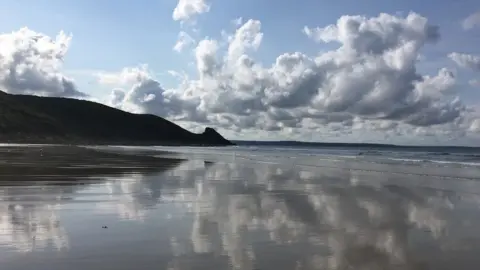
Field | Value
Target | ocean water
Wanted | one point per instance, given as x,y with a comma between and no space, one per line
244,207
457,162
453,156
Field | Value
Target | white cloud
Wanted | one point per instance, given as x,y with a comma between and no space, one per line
116,97
186,9
370,78
376,34
370,81
205,54
474,82
127,75
248,36
176,74
471,21
238,21
30,63
140,92
466,60
475,125
184,40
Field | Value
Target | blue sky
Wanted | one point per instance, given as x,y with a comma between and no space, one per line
111,35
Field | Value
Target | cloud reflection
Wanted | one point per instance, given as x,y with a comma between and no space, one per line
263,216
29,220
338,220
335,219
35,188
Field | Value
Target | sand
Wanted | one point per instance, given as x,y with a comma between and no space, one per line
76,208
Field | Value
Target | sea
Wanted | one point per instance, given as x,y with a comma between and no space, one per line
461,162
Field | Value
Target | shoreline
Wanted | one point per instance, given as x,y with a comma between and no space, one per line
70,142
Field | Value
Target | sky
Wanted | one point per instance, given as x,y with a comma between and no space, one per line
403,72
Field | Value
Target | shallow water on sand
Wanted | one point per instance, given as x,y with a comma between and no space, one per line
60,210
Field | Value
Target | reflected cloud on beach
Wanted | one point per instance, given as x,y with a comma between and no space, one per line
220,215
335,220
34,190
28,218
133,196
128,196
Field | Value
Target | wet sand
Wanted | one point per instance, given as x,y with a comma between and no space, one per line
63,162
76,208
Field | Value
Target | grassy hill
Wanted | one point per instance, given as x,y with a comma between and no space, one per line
32,119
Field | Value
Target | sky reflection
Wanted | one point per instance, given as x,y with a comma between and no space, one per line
198,215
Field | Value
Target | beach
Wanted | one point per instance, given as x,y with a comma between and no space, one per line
107,207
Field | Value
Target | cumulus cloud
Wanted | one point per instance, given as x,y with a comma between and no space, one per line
116,97
248,36
372,74
377,34
466,60
475,125
205,54
30,63
186,9
471,21
125,76
370,77
368,81
184,40
140,92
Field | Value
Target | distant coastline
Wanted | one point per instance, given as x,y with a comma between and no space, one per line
355,145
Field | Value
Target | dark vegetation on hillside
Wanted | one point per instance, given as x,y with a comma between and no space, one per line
32,119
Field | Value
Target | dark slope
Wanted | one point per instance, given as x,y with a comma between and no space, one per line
35,119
